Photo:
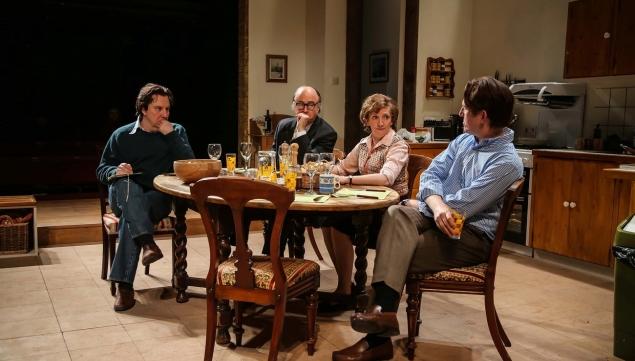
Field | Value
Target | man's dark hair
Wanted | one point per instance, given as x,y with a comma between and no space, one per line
147,93
492,96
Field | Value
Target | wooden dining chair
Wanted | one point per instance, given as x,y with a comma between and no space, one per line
110,234
477,280
264,280
416,165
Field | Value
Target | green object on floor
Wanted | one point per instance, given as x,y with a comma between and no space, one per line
624,296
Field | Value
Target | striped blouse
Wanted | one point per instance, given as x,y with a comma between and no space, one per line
389,157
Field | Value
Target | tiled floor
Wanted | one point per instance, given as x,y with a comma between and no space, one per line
62,310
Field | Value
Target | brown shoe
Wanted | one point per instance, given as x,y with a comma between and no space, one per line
377,322
151,253
124,299
361,351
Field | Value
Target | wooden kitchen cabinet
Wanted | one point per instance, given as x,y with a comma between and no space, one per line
430,149
599,37
572,210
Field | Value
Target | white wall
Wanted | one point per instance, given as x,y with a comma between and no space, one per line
444,31
276,27
334,86
313,36
523,38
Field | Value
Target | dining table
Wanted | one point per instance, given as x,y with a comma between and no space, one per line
360,202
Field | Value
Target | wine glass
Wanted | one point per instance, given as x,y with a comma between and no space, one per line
245,152
214,150
311,161
326,162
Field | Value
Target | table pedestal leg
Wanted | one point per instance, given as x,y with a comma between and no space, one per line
297,230
360,241
179,256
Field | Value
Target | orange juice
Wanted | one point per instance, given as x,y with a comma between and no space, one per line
290,180
230,159
459,219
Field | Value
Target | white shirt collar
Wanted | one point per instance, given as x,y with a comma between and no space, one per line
137,125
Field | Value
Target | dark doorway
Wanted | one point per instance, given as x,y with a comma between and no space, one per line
74,69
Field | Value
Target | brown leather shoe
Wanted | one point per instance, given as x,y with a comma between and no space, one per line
124,299
361,351
151,253
377,322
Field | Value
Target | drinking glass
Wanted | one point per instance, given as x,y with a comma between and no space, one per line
311,161
326,162
214,150
264,165
272,155
245,152
230,159
291,176
459,219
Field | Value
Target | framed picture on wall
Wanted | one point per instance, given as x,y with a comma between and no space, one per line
276,68
378,67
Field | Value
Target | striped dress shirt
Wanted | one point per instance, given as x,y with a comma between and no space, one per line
472,176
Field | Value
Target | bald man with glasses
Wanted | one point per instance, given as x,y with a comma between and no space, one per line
311,132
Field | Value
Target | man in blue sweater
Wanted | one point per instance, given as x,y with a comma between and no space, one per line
133,156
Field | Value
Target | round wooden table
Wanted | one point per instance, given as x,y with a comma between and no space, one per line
361,210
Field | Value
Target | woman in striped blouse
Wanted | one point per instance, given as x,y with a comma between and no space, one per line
378,159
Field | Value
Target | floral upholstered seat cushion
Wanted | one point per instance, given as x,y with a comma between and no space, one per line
111,223
463,274
295,269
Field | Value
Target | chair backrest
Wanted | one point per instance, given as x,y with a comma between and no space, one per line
236,192
416,165
508,205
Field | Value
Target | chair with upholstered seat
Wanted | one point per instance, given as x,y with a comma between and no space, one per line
110,233
264,280
416,165
478,279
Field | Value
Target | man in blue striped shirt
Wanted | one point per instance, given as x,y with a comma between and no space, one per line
471,177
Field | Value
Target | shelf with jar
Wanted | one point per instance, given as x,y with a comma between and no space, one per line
440,78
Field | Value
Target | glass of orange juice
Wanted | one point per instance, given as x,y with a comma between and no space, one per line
290,177
230,159
459,220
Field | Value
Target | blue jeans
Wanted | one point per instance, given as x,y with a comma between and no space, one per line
138,211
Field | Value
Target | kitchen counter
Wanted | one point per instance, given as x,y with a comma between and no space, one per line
429,149
585,155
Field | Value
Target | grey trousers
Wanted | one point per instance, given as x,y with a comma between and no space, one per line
410,242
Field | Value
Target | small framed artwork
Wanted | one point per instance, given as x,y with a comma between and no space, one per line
378,67
276,68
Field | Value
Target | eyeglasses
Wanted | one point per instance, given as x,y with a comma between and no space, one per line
301,105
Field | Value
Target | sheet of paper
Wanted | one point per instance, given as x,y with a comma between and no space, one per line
350,192
311,198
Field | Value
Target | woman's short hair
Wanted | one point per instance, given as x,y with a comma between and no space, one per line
147,93
492,96
372,104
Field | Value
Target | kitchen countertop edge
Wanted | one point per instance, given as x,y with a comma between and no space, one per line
584,155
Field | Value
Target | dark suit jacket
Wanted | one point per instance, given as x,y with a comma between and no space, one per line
319,138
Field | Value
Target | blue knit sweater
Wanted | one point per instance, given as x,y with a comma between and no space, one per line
149,153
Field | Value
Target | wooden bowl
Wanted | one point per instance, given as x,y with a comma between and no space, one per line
191,170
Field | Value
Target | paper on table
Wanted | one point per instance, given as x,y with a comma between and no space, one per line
349,192
311,198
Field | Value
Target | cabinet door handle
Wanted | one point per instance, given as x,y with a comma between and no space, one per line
607,35
572,205
565,204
